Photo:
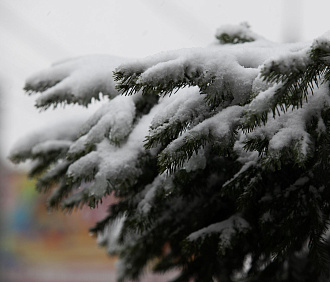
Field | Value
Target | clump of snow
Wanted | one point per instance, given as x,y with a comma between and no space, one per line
149,193
52,136
196,161
266,217
75,81
288,63
259,85
110,235
291,125
301,181
219,126
86,165
180,108
116,122
54,171
322,42
246,158
238,31
78,146
226,230
262,101
138,66
50,145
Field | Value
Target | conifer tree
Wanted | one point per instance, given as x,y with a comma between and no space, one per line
219,157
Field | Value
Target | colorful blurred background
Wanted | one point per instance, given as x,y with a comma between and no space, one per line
40,246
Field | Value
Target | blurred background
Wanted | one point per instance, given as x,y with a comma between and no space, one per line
37,246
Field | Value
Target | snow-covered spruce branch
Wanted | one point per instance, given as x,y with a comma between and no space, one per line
218,156
75,81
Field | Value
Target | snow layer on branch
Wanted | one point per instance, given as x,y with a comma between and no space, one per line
263,100
78,146
180,108
226,230
217,131
149,193
196,161
126,156
205,67
249,55
53,173
188,64
147,196
294,60
110,235
292,125
290,62
113,121
140,65
220,127
225,73
46,139
50,145
85,166
116,123
112,164
247,158
202,67
75,81
185,111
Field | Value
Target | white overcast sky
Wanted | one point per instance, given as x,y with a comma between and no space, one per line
36,33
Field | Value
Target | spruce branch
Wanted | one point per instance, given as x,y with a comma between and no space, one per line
244,142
